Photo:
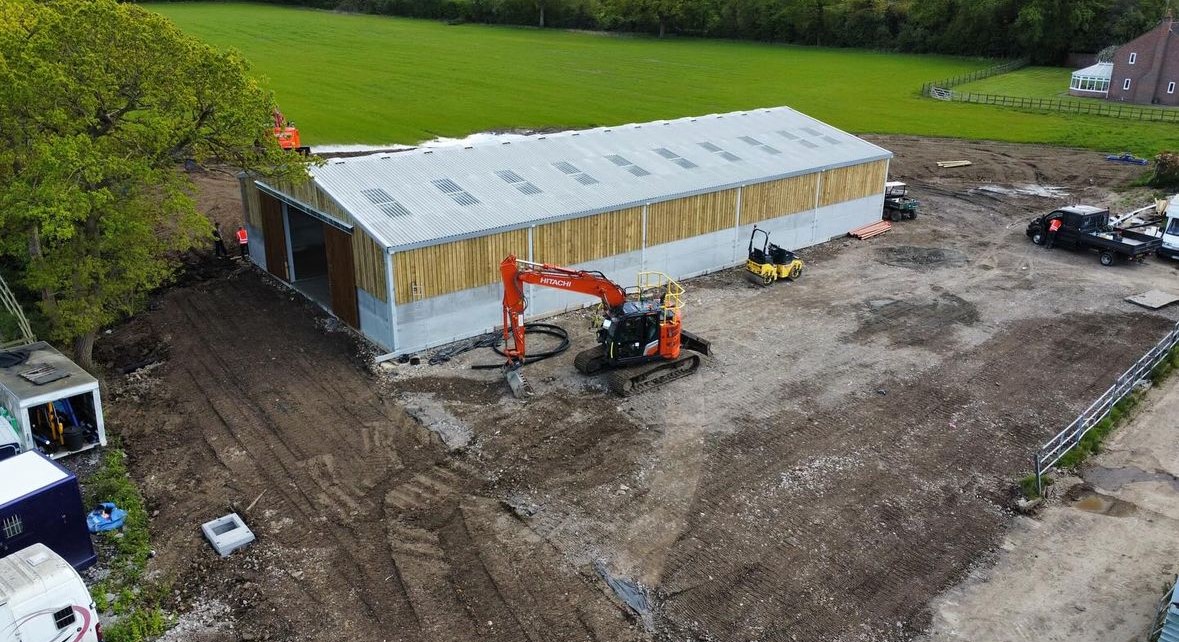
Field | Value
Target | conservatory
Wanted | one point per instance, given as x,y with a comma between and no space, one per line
1092,81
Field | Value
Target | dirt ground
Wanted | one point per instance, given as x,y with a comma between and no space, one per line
1094,564
845,457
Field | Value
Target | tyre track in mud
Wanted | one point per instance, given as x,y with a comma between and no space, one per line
283,464
364,521
762,560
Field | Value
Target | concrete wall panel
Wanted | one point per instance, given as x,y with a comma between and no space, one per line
836,220
442,319
692,256
374,319
257,244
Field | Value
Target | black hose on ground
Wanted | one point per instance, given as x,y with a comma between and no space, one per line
534,328
446,353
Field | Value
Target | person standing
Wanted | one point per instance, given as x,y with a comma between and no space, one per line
218,243
243,241
1053,228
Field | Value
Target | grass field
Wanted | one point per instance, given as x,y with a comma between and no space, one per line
1029,82
368,79
1033,82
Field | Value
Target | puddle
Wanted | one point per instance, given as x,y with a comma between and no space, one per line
1115,478
1105,505
1083,497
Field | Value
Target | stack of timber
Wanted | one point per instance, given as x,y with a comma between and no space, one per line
949,164
868,231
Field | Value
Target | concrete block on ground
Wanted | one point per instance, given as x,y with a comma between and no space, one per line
227,534
1153,299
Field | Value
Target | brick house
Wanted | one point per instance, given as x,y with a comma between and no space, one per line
1146,69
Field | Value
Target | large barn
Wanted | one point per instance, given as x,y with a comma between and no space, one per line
405,247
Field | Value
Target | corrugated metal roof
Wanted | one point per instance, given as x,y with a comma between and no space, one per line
423,197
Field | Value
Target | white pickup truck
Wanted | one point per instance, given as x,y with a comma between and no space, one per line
43,599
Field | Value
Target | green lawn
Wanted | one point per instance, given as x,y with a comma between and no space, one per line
1035,82
351,78
1029,82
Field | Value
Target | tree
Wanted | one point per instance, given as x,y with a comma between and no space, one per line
100,103
642,13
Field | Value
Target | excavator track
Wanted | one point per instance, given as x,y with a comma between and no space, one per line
629,381
590,361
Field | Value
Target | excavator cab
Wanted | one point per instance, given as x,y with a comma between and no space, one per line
632,333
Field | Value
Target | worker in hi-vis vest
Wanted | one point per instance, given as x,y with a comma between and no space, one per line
243,241
1053,228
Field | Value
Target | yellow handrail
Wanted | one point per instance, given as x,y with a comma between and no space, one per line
670,291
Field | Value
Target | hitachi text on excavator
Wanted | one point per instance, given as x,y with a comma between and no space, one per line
640,337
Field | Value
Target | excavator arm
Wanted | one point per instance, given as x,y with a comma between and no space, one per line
517,273
658,300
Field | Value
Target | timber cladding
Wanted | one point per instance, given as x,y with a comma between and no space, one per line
451,267
692,216
309,193
251,199
854,182
763,201
591,237
369,258
462,265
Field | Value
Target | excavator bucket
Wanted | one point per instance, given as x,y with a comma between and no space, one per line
515,378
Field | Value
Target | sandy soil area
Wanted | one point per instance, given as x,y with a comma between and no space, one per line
1094,563
845,457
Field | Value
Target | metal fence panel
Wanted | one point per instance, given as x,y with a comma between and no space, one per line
1059,445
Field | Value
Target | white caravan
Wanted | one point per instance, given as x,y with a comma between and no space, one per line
43,599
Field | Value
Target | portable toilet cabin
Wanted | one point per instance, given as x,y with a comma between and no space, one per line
42,598
51,403
41,503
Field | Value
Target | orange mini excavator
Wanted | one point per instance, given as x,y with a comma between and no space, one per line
640,337
287,134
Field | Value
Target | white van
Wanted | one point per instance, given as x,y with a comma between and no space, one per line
1170,228
43,599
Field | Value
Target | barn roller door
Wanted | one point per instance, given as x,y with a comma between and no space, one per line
275,233
341,275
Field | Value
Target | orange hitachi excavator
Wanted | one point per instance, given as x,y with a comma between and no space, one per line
641,328
287,134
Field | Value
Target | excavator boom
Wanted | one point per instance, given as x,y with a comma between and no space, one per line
517,273
641,333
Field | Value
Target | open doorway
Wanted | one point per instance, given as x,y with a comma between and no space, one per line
65,425
309,264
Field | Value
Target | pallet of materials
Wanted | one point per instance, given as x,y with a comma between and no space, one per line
868,231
